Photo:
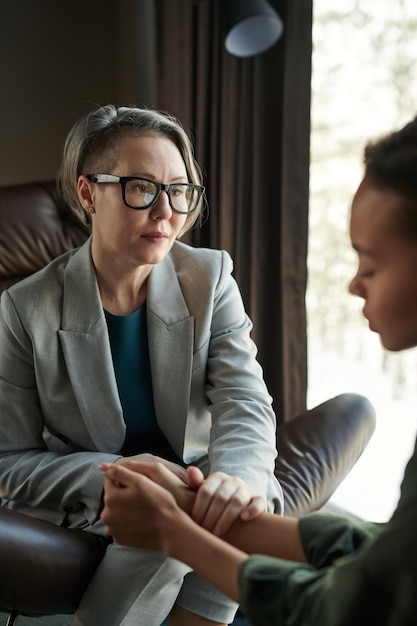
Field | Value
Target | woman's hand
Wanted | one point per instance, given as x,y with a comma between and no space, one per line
221,500
151,459
214,503
137,511
181,485
140,513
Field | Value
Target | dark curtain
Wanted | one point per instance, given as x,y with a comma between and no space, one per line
250,120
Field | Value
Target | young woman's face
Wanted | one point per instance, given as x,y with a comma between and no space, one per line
387,272
128,236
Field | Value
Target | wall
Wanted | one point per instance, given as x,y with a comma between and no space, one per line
57,61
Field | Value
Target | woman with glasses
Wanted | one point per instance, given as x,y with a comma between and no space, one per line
135,346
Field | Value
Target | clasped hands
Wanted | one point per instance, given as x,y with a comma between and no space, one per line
142,497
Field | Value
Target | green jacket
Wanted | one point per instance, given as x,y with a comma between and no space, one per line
357,573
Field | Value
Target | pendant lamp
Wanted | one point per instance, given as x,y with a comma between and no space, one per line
252,26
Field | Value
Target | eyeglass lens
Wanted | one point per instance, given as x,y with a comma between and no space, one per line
141,193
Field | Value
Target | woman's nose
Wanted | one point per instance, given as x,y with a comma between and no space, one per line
355,287
161,209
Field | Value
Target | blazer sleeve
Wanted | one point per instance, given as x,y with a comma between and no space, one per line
58,484
243,431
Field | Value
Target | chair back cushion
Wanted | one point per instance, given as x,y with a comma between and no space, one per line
35,228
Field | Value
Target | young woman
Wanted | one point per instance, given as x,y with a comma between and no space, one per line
321,570
135,346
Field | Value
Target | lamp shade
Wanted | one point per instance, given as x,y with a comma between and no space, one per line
251,26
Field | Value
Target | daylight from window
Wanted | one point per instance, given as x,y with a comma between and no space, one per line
364,85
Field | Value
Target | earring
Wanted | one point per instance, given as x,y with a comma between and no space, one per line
91,209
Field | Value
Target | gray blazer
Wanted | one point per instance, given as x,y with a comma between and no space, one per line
60,413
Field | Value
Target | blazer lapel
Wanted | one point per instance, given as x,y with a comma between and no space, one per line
87,353
171,339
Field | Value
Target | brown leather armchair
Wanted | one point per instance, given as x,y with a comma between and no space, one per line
45,568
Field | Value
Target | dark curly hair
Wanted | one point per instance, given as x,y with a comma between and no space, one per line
391,163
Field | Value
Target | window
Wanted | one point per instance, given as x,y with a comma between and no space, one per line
364,84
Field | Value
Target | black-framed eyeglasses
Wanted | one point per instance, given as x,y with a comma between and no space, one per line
142,193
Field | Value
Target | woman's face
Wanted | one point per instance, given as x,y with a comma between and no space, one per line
128,237
386,278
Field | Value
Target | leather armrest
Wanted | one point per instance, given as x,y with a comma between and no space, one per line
44,568
318,448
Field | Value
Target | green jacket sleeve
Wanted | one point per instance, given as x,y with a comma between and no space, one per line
356,573
274,591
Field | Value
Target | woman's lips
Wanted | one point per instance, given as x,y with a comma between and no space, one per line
156,236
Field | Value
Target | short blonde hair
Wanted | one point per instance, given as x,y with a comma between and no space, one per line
91,144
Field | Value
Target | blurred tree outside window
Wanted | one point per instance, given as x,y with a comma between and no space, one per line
364,85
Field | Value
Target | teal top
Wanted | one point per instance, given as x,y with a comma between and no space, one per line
357,573
129,345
